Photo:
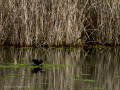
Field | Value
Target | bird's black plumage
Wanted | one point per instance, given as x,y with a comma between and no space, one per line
37,62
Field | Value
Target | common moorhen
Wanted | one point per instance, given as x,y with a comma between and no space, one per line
37,62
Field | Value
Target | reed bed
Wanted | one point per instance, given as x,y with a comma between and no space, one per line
59,22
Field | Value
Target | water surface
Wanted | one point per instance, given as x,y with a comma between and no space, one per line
63,69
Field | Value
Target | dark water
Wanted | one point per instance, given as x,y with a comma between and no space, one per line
75,69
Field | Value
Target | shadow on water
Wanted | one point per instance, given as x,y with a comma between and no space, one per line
36,70
80,69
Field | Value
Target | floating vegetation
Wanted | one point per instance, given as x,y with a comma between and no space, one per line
68,87
77,75
15,65
94,88
2,78
24,58
60,65
52,47
1,65
13,74
85,74
40,83
117,76
27,83
12,47
49,66
69,75
76,79
89,80
46,77
34,89
33,66
46,83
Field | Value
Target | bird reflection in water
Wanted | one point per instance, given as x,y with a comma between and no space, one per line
38,63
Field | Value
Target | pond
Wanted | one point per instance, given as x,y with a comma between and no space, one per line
63,69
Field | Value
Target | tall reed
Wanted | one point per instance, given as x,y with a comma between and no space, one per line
59,22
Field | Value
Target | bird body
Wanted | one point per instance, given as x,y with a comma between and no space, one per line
37,62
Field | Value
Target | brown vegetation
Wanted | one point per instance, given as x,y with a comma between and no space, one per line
59,22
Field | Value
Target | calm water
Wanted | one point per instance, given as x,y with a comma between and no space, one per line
63,69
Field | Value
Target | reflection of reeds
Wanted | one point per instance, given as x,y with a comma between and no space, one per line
61,22
100,65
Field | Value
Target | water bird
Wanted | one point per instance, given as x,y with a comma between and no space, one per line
37,62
